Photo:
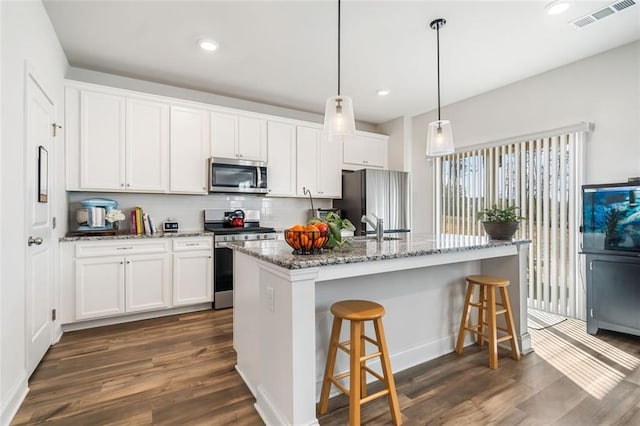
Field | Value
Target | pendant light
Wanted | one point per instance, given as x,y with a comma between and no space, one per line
338,113
439,133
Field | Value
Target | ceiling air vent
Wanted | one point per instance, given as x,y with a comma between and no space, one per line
601,13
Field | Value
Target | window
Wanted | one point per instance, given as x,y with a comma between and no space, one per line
543,177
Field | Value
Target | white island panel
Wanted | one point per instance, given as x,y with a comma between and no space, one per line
282,320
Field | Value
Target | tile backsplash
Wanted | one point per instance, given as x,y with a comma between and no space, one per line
279,213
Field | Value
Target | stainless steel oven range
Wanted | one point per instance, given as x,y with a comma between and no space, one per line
227,228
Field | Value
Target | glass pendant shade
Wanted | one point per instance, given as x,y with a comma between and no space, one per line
439,138
338,117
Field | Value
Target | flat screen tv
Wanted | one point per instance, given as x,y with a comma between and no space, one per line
611,217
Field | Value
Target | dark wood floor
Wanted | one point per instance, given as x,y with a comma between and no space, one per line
179,371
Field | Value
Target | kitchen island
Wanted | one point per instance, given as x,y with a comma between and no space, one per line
282,321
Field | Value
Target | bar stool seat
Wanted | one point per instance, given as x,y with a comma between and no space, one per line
487,316
357,312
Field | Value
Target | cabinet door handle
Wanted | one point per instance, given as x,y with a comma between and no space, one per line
128,262
37,241
124,248
121,262
192,244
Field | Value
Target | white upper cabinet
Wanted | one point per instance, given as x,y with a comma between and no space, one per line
238,137
102,141
281,170
147,146
365,150
189,150
115,142
118,140
329,172
224,135
317,164
307,146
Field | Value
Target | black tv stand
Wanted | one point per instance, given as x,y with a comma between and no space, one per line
613,292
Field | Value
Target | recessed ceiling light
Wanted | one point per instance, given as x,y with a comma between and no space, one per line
383,92
207,44
556,7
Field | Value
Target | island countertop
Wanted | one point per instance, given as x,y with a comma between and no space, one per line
278,252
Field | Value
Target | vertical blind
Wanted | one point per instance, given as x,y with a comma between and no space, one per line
542,177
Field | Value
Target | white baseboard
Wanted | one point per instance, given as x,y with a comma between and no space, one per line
57,333
270,415
15,397
250,385
81,325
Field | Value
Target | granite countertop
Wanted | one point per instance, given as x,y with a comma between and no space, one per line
280,253
127,236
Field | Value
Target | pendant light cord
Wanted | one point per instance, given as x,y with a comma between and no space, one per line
338,47
438,61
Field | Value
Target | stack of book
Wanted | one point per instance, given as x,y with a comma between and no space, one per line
141,223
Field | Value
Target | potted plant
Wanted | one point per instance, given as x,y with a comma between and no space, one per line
500,224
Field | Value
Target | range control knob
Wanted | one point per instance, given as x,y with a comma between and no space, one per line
246,237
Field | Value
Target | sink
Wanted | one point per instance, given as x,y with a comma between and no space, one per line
373,238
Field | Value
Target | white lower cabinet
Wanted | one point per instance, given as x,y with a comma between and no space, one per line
192,270
115,285
99,287
147,282
109,278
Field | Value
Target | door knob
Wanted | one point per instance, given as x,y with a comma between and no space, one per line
37,241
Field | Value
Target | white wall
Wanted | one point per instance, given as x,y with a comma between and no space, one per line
603,89
27,37
399,148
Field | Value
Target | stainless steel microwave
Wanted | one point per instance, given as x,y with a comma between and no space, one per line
226,175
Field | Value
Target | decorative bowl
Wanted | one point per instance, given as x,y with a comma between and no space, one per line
307,241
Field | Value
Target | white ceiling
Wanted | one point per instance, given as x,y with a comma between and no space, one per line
285,52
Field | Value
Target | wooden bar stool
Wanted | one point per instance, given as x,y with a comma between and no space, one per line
487,315
358,311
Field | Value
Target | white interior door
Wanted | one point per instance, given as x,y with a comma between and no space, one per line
39,159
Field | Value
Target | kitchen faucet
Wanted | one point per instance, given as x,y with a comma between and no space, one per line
377,225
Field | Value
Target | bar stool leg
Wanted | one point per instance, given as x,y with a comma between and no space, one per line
515,352
481,314
465,319
493,344
331,363
354,379
387,374
363,363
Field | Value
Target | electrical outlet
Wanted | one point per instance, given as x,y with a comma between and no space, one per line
270,299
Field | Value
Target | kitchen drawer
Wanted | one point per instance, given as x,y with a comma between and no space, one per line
189,244
120,248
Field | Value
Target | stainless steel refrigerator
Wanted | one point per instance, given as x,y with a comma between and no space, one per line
385,193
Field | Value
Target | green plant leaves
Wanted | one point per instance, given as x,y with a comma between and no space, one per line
336,224
495,214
